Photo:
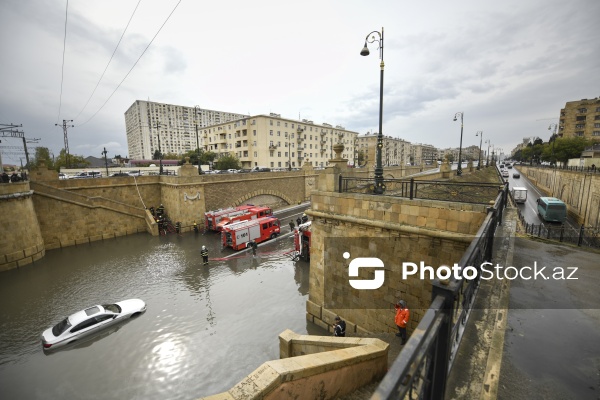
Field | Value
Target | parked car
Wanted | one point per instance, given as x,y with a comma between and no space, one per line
88,174
120,174
62,176
86,322
260,169
516,175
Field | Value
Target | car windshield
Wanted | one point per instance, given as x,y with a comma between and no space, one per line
61,327
112,308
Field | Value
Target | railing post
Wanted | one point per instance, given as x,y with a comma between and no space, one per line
340,183
438,370
580,241
412,184
562,231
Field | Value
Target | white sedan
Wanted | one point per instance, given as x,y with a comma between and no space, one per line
91,320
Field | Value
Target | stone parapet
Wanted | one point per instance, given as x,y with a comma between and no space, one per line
313,367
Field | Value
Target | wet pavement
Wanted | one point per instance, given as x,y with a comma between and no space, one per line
552,340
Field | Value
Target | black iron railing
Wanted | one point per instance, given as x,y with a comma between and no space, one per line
462,192
421,370
582,236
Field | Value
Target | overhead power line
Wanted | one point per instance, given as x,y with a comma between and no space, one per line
109,61
62,73
126,75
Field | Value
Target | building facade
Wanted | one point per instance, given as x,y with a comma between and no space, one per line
580,118
395,151
278,143
151,126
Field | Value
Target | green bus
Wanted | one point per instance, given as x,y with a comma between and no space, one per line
552,209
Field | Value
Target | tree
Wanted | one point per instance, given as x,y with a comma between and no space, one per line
75,161
566,148
360,158
42,153
207,157
450,157
227,161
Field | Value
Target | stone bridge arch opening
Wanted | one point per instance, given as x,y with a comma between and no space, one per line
271,198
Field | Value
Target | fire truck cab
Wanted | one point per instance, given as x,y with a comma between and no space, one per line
239,234
212,218
244,215
302,237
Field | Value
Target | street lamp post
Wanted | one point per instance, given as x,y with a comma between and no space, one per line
480,134
487,156
553,140
160,169
197,141
105,160
379,186
459,168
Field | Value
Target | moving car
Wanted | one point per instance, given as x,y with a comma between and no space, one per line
505,173
91,320
62,176
516,175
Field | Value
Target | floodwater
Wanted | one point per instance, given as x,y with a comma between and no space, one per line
205,329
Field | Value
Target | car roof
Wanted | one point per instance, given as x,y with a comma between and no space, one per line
82,315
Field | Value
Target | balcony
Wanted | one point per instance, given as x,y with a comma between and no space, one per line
272,147
300,139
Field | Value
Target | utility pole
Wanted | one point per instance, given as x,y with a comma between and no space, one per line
65,125
160,169
105,160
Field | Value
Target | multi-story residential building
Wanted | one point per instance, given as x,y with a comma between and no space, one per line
171,128
395,151
580,118
275,142
423,154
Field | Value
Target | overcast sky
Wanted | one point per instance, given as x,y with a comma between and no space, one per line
509,66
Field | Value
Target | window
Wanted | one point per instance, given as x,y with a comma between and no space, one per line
278,123
271,132
596,133
278,133
582,110
85,324
254,132
271,122
255,154
279,154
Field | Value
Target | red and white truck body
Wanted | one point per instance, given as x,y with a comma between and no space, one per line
244,215
239,234
302,236
212,218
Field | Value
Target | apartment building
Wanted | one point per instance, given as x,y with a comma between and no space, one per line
150,126
395,151
276,142
580,118
423,154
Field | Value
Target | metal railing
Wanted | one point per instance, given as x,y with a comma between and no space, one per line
582,236
462,192
421,370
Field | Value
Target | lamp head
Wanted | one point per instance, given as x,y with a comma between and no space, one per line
365,50
454,118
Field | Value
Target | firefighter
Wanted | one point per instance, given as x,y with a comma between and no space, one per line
292,225
339,327
195,227
401,319
204,254
298,221
252,244
161,210
178,227
304,218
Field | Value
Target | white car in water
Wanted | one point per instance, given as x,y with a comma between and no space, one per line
91,320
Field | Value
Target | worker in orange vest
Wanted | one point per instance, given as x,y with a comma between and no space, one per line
402,318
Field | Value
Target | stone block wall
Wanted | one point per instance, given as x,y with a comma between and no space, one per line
579,190
22,241
395,230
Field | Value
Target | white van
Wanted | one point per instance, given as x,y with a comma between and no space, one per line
519,194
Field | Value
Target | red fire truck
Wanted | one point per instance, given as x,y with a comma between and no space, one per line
244,215
212,218
239,234
302,237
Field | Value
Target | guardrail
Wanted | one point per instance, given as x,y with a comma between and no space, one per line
582,236
462,192
421,370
